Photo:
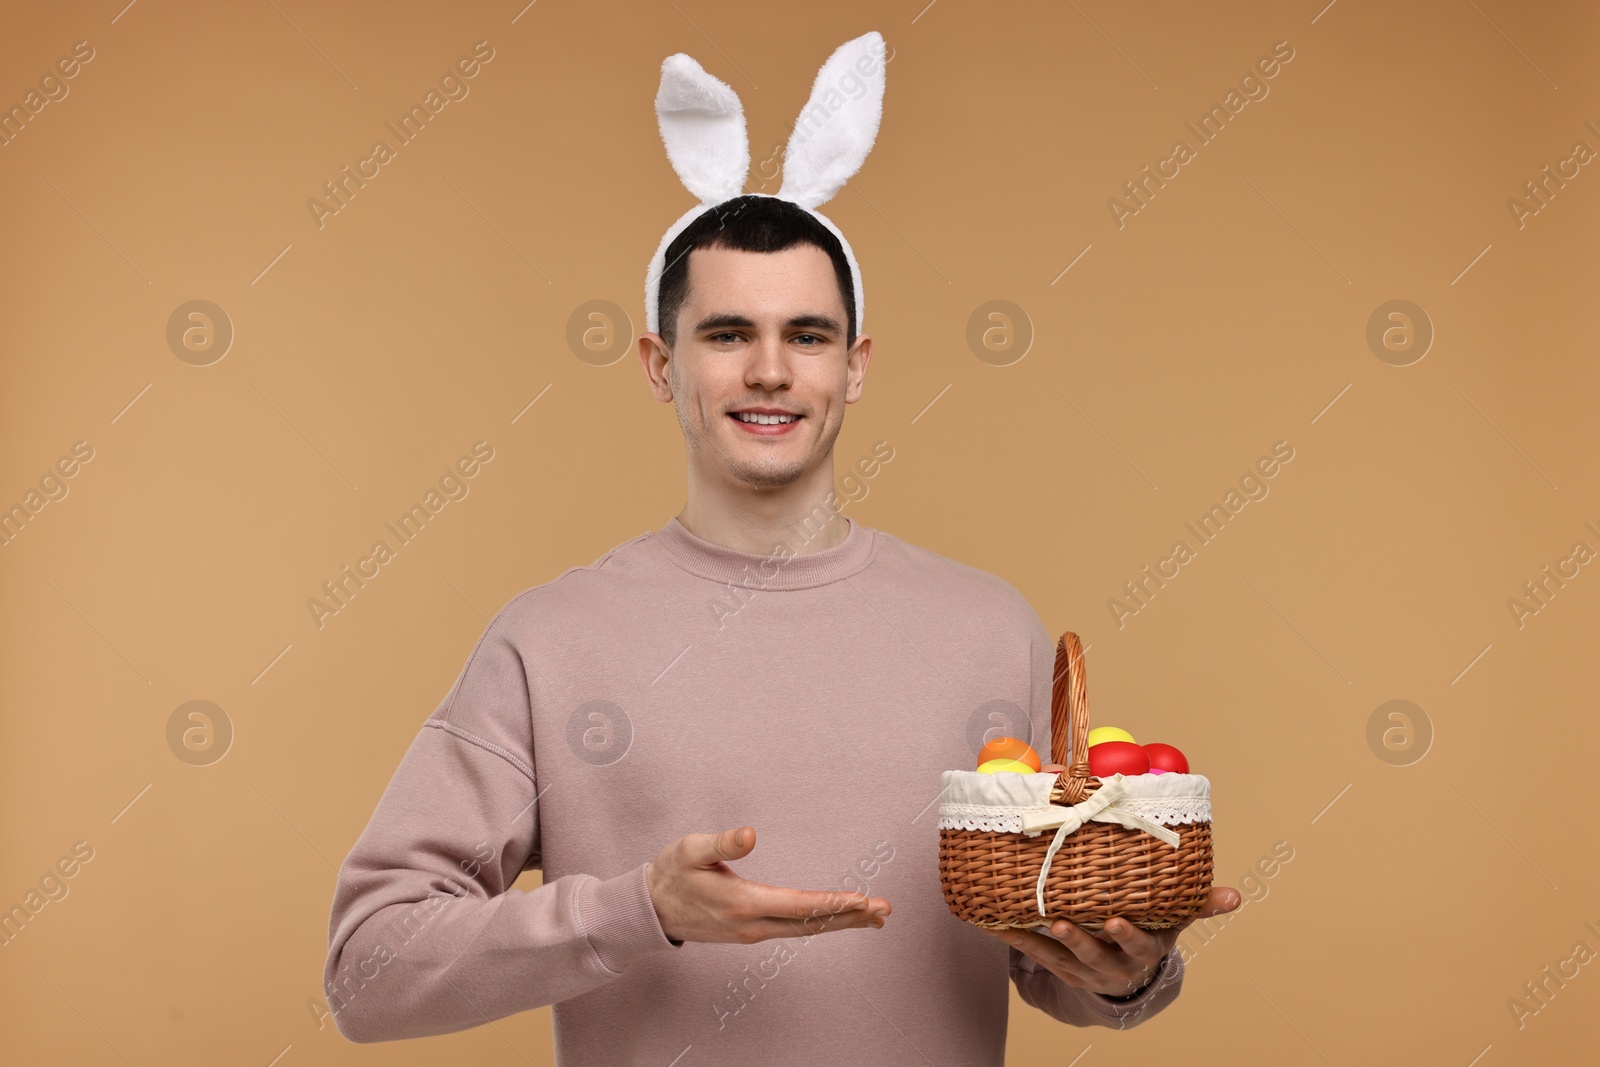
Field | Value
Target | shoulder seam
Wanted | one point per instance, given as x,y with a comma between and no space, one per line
601,562
487,745
596,565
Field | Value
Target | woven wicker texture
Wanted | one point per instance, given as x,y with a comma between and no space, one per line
1101,869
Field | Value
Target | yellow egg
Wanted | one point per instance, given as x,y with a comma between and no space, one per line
1108,733
997,765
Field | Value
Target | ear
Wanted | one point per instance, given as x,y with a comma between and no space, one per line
837,126
702,125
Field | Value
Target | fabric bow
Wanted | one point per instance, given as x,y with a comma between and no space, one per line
1100,807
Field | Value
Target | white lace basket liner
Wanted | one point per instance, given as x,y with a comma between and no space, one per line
1008,802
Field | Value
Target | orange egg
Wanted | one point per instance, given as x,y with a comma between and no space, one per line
1009,748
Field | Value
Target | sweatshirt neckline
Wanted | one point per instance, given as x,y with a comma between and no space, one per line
778,569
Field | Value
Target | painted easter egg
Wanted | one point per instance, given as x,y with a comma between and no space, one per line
1117,757
1166,758
1109,733
995,766
1009,748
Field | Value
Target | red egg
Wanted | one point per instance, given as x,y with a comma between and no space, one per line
1117,757
1167,758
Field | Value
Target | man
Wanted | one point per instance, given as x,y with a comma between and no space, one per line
761,668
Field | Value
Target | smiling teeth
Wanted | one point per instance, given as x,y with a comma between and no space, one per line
764,420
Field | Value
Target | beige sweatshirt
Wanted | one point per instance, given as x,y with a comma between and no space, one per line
676,686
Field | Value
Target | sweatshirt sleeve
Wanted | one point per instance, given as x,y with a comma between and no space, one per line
426,936
1040,988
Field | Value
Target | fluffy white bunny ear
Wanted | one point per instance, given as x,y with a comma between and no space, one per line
702,125
837,126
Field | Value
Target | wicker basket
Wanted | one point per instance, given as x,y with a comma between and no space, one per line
1098,869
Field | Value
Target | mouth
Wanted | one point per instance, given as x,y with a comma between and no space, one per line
759,425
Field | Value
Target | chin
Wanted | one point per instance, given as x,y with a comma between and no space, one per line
768,477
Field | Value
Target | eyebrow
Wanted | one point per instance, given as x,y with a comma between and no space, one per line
726,319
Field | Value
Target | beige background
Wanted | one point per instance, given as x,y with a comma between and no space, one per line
1227,315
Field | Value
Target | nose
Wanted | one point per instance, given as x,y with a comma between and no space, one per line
768,367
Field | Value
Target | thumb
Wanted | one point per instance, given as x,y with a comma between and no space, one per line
1220,902
730,844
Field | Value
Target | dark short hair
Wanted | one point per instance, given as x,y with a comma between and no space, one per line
748,224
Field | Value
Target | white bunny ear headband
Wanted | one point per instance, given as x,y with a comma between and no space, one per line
702,124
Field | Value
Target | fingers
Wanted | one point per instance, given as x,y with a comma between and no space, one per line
818,924
742,910
1081,958
1142,950
1049,952
1093,952
810,906
1143,945
1102,951
772,911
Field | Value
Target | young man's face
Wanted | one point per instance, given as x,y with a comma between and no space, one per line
763,330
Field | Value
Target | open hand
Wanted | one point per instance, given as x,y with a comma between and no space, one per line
1115,961
699,897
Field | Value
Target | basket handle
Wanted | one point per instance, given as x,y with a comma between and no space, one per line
1069,718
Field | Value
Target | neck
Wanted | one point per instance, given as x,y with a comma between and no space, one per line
750,519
